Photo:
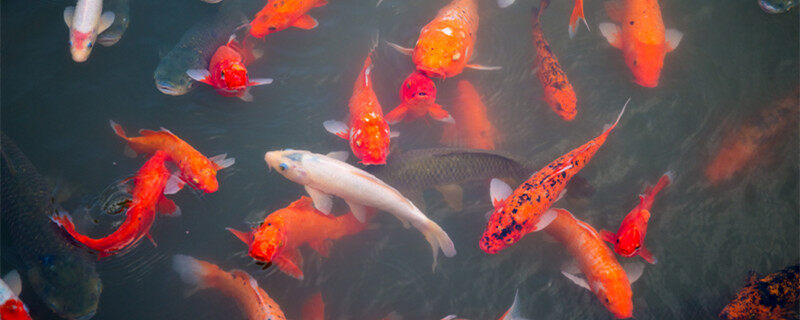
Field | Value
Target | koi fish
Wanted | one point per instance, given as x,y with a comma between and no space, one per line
445,45
148,194
629,239
471,122
313,308
513,312
227,72
753,141
605,277
326,175
368,132
278,15
524,210
11,307
558,91
774,296
85,22
237,284
642,37
418,95
278,238
197,170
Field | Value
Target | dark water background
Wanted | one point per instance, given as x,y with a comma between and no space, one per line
733,61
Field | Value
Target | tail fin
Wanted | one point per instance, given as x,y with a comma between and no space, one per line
513,312
610,127
577,14
650,193
190,270
438,240
118,129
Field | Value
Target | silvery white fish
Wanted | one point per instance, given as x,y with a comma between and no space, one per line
326,175
85,22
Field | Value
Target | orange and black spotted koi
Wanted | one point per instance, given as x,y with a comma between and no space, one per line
774,296
524,210
558,91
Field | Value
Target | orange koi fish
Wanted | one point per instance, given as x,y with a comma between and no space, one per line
313,308
227,72
278,15
196,170
558,91
237,284
418,95
284,231
445,45
642,37
605,277
524,210
368,131
770,297
629,239
472,124
753,141
148,195
11,307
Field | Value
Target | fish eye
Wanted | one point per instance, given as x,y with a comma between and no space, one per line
358,143
408,85
70,43
617,240
283,166
608,301
422,94
89,45
637,247
269,224
272,28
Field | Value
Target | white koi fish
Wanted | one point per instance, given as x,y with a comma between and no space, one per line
85,22
326,175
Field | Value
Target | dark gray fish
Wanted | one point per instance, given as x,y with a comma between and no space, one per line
195,48
446,169
122,17
62,275
777,6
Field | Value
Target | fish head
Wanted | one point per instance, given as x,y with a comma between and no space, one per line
232,75
369,139
268,240
562,100
645,62
205,178
80,44
13,308
418,86
67,284
267,21
628,241
744,305
289,163
502,231
172,83
615,296
438,54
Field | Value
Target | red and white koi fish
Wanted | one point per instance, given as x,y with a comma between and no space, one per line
85,22
227,72
11,307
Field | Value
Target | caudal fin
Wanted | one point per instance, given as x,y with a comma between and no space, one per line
650,193
438,240
610,127
190,270
577,14
118,129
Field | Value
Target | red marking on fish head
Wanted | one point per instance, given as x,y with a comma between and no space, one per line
646,61
13,309
628,241
268,240
233,75
369,139
80,45
418,86
501,232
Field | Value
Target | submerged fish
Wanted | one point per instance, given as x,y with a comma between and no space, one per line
418,95
771,297
282,232
196,47
61,275
558,92
85,21
605,277
472,127
524,210
237,284
447,169
313,308
327,175
11,307
278,15
641,37
776,6
122,11
227,72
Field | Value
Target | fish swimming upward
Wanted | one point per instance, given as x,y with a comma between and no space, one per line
227,72
367,132
524,210
472,128
641,37
605,277
558,92
11,307
278,15
326,175
418,95
774,296
61,275
237,284
148,194
85,22
445,45
196,170
122,11
629,239
279,237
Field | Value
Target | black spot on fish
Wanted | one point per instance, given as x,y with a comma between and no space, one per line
631,22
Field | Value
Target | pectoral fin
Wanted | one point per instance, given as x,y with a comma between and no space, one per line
338,128
105,21
397,114
323,247
338,155
290,262
633,271
221,161
439,114
168,207
453,195
482,67
401,49
612,33
499,192
359,211
69,12
647,255
673,38
13,281
322,201
306,22
200,75
246,237
259,81
608,236
577,280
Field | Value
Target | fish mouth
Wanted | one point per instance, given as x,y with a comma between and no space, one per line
167,88
108,41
